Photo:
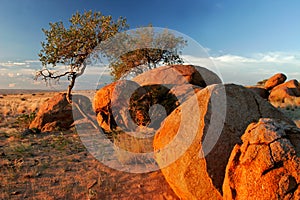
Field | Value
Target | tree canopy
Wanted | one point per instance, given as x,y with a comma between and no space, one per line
143,49
72,45
129,53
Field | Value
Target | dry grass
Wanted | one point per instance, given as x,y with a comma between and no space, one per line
290,107
56,165
130,144
13,105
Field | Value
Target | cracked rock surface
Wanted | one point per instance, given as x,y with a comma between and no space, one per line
267,164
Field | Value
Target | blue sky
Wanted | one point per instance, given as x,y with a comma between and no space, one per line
247,40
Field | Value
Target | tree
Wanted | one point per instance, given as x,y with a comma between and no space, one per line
143,49
71,46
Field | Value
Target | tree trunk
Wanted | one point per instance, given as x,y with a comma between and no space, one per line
70,87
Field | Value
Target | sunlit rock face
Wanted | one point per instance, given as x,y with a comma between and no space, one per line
193,170
267,164
275,80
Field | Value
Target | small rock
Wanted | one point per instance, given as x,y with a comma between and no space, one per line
275,80
15,193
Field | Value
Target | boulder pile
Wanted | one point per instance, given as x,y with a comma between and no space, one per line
285,91
277,90
212,140
129,104
215,141
197,170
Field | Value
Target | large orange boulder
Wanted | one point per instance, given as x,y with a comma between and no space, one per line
195,141
54,114
178,75
184,92
275,80
285,91
266,165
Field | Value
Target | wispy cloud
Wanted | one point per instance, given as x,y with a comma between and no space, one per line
12,85
32,64
32,61
10,75
232,59
12,64
249,70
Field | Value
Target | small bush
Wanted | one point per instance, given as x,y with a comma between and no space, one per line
24,120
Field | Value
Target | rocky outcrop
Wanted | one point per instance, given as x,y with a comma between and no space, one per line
195,141
266,165
285,91
126,105
149,97
54,114
275,80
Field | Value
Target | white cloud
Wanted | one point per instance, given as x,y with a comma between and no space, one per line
12,64
232,59
11,85
251,69
279,57
32,61
10,75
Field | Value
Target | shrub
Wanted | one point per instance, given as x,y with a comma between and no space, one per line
24,120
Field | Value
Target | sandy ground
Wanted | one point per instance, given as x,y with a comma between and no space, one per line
57,165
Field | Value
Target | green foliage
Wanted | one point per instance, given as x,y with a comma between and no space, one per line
145,97
261,83
22,148
72,45
60,142
143,49
24,120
